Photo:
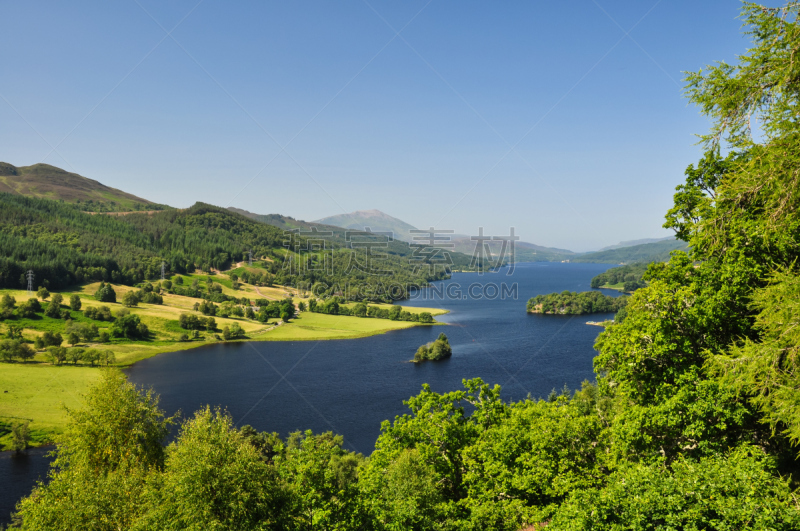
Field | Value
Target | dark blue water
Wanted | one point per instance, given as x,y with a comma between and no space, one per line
19,474
351,386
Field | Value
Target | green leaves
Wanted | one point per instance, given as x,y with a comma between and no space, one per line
735,491
766,370
762,89
212,479
102,462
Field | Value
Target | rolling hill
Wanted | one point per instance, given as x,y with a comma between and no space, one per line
632,243
379,221
523,251
648,252
339,238
48,182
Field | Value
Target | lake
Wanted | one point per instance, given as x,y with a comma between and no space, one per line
351,386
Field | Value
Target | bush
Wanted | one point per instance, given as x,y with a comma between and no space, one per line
29,309
130,299
91,355
54,306
7,302
107,357
74,355
75,303
21,436
101,313
11,349
56,355
151,298
129,326
105,293
49,339
435,351
233,332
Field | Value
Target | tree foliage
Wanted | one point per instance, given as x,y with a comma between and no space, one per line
571,303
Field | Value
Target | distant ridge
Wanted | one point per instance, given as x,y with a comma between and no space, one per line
647,252
277,220
632,243
376,220
49,182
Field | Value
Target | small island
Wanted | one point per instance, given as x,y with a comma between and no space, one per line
435,351
571,303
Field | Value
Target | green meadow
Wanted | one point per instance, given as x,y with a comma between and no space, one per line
36,391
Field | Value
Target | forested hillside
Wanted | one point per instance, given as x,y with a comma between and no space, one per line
64,246
647,252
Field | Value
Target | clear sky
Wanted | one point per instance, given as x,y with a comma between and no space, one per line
565,120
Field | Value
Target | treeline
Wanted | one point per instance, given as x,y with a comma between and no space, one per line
261,309
572,303
629,276
93,205
459,460
336,306
65,246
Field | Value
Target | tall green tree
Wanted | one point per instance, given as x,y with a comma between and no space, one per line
103,460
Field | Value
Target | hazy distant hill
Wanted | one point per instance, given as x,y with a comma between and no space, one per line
339,237
376,220
48,182
648,252
523,251
632,243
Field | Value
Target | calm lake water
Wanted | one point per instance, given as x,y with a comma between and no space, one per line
351,386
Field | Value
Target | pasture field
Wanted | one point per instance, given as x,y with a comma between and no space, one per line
36,391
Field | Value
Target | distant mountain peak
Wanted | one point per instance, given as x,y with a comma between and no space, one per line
376,220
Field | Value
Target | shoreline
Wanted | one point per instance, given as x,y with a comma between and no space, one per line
38,389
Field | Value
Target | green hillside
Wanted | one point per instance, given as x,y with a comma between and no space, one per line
48,182
523,251
461,257
648,252
66,246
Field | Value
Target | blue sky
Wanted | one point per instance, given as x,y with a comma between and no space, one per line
544,116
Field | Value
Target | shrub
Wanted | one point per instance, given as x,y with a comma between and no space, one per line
11,349
101,313
56,355
130,299
435,351
105,293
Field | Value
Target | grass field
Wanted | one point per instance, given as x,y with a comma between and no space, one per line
36,390
311,326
